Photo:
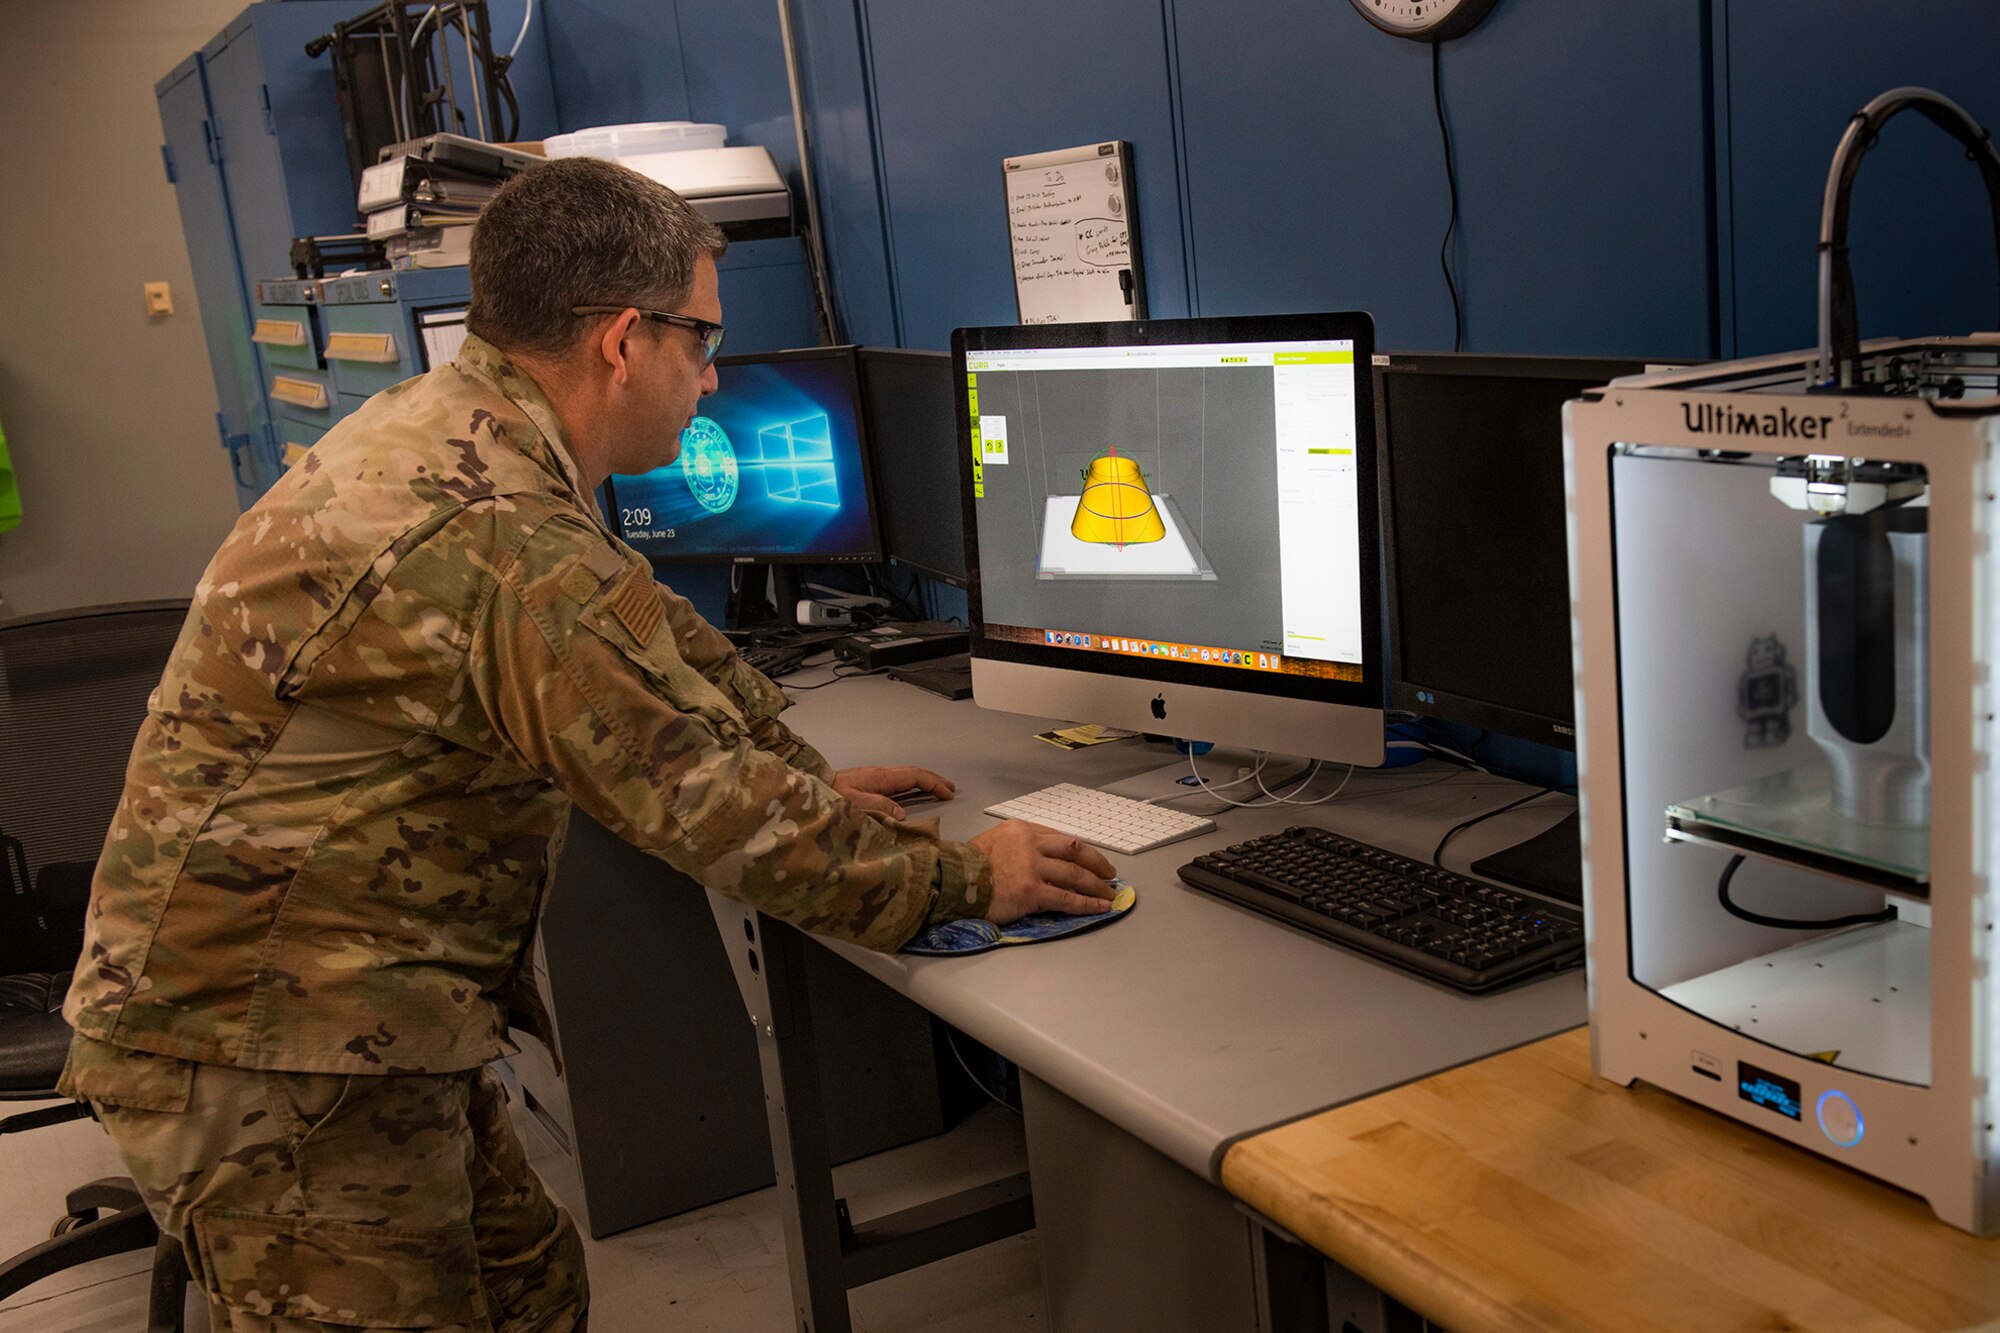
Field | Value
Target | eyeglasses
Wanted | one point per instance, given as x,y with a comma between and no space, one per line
709,333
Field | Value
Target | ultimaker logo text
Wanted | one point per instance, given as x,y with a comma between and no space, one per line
1715,419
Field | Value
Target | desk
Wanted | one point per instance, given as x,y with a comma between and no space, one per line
1191,1023
1522,1193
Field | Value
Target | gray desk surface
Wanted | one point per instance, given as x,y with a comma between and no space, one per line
1192,1022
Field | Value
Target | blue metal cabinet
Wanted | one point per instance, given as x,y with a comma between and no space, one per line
194,169
767,296
252,167
283,153
286,323
255,149
373,316
294,438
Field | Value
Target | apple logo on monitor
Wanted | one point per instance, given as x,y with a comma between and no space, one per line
1160,706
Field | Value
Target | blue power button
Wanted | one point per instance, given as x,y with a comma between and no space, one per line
1839,1118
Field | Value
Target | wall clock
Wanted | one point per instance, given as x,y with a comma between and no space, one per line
1424,20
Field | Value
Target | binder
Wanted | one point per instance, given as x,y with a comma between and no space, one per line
399,218
411,180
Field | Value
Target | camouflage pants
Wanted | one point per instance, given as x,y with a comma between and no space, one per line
310,1202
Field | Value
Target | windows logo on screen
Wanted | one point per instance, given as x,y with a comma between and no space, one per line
797,461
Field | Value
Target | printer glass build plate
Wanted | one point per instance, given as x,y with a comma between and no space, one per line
1790,817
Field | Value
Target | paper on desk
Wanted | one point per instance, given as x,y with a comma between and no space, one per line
1076,738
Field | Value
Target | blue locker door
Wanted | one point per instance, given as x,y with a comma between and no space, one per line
251,164
959,89
1316,173
1920,232
303,129
225,311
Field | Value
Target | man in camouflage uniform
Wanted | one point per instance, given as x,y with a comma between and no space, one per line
310,922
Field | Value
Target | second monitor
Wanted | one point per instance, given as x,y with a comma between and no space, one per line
909,398
773,468
1478,557
1479,560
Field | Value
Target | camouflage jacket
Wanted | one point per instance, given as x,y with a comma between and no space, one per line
400,669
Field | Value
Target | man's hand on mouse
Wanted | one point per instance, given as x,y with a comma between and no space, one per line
1037,869
883,790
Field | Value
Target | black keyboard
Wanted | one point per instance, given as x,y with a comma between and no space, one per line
1464,932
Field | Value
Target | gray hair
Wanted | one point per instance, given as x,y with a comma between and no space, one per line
579,231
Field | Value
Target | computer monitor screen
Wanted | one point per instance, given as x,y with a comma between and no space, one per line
1171,526
913,429
1478,556
773,468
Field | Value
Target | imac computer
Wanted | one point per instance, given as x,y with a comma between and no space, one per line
1478,557
908,400
773,469
1171,526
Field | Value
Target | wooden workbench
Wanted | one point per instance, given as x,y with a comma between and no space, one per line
1520,1192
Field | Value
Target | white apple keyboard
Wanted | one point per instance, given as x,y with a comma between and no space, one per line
1115,823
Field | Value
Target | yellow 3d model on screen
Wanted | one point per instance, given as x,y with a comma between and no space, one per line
1116,507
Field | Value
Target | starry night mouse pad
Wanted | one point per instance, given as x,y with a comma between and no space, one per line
974,936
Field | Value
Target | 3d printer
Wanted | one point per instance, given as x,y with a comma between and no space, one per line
1793,924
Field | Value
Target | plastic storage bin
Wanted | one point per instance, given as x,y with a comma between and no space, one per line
618,142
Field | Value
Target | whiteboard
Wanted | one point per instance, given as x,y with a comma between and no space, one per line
1075,234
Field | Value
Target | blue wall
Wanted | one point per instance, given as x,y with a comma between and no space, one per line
1638,178
1316,174
1794,71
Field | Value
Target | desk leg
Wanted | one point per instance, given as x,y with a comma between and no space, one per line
825,1251
769,960
1301,1291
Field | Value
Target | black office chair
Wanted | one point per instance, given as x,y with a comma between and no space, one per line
73,690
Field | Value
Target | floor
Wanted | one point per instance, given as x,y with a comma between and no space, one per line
717,1270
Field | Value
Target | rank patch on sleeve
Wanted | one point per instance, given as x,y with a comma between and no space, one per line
580,583
636,603
591,571
605,562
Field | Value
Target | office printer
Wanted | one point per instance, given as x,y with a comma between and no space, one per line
738,189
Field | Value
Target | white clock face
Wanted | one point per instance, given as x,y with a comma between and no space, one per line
1428,20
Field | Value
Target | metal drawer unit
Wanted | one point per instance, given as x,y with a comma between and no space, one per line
285,324
291,339
374,326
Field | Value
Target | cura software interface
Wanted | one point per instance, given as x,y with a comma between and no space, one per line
1199,502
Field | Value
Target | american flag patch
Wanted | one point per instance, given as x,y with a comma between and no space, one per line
637,605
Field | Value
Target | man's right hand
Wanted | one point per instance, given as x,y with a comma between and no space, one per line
1037,869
